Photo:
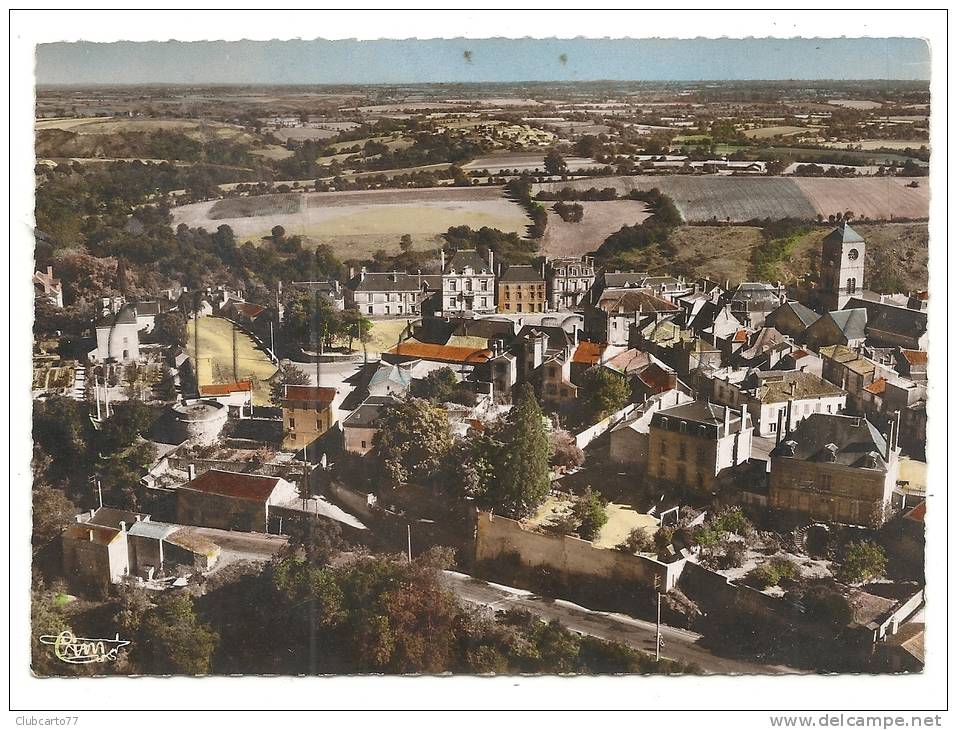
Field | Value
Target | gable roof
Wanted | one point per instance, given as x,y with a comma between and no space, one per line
233,484
125,315
701,411
852,322
914,357
782,386
588,353
805,315
368,411
635,301
218,389
440,353
309,394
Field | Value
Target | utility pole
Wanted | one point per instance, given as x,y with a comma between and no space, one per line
408,528
658,624
99,491
235,360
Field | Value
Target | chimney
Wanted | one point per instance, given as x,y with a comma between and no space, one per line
744,417
491,257
442,253
889,442
92,513
122,526
138,518
352,272
777,436
90,534
897,428
788,424
50,271
191,470
727,420
362,274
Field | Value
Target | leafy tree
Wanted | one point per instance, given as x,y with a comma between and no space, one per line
520,453
589,510
172,640
288,374
865,561
412,441
605,392
825,604
169,329
406,243
318,539
130,420
356,326
555,163
565,452
438,386
52,511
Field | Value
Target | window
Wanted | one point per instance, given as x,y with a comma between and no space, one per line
369,297
451,301
518,307
484,285
468,285
318,424
292,422
484,301
851,285
370,310
388,309
451,284
664,447
363,444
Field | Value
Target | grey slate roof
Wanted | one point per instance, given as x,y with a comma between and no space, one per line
700,411
890,319
369,410
852,322
393,281
468,257
850,438
806,315
624,278
523,273
126,315
843,234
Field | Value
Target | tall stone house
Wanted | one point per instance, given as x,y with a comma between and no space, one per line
307,413
521,290
568,280
835,468
468,283
387,294
698,445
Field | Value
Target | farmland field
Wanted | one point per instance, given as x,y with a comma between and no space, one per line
523,161
881,198
359,223
701,199
215,361
602,218
765,132
876,144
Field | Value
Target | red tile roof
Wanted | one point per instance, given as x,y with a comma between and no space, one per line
241,386
101,535
917,514
440,353
588,353
657,378
741,336
798,354
915,357
250,310
877,387
310,394
233,484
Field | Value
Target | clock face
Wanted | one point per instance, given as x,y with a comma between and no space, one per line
853,254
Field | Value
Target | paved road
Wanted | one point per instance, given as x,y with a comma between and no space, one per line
679,644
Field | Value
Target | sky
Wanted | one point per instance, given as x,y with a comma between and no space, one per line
464,60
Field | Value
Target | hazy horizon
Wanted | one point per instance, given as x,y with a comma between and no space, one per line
475,61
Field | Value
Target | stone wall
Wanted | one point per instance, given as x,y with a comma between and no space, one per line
496,536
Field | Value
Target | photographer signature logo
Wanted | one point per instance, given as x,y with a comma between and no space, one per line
79,650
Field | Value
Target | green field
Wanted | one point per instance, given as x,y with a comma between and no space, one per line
215,361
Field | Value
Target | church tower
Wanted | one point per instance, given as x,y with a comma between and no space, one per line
842,267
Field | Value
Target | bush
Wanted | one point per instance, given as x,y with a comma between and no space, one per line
773,572
565,452
637,541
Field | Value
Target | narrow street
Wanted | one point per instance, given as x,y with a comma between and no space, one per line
679,644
